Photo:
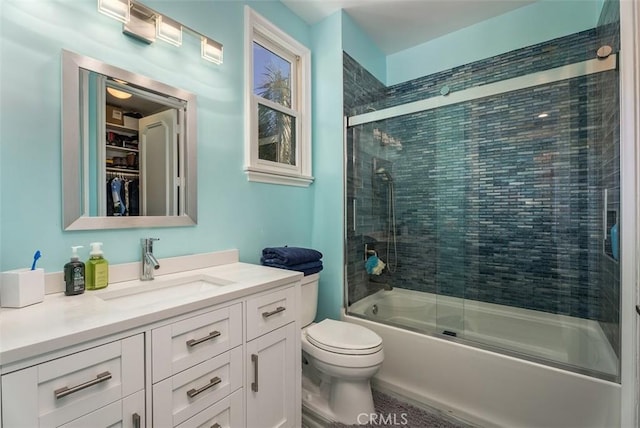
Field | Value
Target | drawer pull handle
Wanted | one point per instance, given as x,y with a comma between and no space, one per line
254,384
275,311
216,425
63,392
194,342
136,420
193,392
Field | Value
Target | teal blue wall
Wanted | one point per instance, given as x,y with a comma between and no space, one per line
327,161
330,37
357,43
528,25
232,212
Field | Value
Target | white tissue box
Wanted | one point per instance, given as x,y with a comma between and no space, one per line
21,287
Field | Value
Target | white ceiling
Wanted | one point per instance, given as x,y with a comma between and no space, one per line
395,25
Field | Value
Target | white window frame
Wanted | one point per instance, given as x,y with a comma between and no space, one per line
260,30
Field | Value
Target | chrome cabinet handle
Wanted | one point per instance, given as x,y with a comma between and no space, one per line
136,420
216,425
194,342
254,384
64,391
193,392
275,311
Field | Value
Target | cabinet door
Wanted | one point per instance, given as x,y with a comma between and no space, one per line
128,413
271,379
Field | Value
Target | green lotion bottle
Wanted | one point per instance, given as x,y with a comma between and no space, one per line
97,268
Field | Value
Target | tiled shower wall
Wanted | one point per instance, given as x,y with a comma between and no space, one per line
492,203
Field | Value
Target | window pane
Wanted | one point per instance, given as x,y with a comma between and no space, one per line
271,76
276,136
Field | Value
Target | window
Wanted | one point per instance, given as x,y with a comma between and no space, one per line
277,105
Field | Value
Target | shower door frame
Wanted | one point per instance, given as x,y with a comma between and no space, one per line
629,212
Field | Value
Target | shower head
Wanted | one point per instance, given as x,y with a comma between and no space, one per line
384,174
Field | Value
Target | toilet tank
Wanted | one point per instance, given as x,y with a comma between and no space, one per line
309,298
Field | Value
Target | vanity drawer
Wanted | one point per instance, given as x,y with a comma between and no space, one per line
126,413
61,390
226,413
183,344
187,393
269,311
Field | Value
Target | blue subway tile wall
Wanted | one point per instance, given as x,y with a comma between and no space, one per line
492,202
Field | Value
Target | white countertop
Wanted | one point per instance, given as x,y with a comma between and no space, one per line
61,321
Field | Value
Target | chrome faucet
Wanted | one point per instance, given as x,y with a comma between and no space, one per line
149,261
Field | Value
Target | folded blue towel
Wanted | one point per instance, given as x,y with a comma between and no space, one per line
290,256
307,268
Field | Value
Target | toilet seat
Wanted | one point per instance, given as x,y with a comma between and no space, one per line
343,338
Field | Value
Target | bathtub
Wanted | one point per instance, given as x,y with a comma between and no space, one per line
491,383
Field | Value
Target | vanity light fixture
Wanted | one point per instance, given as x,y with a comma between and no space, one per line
147,25
169,30
211,50
116,9
142,23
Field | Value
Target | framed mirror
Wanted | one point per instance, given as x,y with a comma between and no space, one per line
128,149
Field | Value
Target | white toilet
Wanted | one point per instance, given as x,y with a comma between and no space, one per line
339,358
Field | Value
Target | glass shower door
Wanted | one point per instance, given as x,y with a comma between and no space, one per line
448,178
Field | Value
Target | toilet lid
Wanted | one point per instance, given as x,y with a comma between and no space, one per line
344,338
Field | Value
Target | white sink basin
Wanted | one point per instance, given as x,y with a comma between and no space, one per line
144,293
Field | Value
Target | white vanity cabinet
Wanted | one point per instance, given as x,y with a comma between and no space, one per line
105,381
218,363
273,359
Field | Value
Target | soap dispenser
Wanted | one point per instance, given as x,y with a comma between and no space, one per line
97,268
74,274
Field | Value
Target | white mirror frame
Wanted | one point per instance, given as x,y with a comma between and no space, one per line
74,192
